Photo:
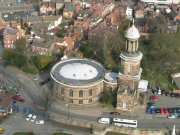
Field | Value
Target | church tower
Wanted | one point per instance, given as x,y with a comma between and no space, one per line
130,71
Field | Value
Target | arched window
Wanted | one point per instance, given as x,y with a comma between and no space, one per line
80,93
71,93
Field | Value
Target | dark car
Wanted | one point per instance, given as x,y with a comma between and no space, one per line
114,113
171,110
157,110
18,98
177,110
176,95
172,94
166,93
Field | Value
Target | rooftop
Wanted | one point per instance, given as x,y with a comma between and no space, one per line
132,33
77,72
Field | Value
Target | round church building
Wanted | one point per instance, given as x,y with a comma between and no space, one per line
78,81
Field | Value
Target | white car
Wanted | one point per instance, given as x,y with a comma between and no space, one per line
39,122
33,118
172,117
29,117
104,120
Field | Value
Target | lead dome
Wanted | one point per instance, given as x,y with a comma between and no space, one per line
132,33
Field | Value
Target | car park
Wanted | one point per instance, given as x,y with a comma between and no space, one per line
39,122
104,120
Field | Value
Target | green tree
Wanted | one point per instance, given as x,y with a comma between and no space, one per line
42,61
20,45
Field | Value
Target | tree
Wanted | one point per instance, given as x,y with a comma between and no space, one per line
161,58
20,45
14,58
42,61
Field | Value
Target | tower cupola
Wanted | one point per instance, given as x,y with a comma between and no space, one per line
132,35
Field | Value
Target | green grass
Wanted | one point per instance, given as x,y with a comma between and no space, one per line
23,133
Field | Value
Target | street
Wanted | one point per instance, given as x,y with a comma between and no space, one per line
33,93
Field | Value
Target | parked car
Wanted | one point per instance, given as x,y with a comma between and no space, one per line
166,93
154,98
104,120
29,117
152,111
2,110
33,118
171,110
39,122
2,130
114,113
18,98
177,109
172,94
172,117
157,110
164,111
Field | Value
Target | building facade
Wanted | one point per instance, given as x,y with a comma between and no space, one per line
78,81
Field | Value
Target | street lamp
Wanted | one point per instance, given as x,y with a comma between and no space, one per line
68,115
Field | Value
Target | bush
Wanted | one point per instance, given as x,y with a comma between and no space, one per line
108,97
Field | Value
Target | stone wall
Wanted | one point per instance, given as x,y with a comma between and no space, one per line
79,95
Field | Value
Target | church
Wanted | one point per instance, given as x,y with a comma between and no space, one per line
80,81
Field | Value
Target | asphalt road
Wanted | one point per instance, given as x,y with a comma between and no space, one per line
34,94
17,123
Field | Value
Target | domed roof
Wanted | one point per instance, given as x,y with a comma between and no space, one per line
132,33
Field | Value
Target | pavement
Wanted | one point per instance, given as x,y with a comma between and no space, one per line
34,93
17,123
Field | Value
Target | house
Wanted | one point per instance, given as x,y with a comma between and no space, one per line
40,46
10,35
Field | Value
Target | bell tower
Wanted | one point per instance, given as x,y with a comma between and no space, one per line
130,71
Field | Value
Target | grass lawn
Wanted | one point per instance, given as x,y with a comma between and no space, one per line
24,133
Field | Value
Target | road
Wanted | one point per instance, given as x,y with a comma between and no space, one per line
17,123
34,94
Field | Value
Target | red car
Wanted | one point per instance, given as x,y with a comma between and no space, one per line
164,111
154,98
18,98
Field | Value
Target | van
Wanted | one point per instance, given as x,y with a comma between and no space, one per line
104,120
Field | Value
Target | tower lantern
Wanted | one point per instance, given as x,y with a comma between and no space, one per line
130,72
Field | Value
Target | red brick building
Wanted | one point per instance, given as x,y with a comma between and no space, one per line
10,35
